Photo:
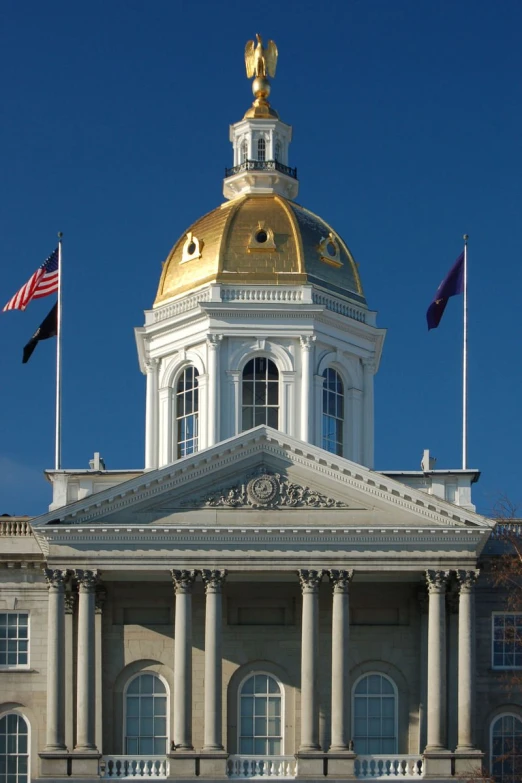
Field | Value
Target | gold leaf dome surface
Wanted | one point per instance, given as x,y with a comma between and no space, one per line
296,247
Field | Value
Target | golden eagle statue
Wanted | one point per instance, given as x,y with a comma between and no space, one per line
260,61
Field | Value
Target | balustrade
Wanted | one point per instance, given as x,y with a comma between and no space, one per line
135,767
275,767
384,766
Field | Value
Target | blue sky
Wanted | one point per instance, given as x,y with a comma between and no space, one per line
407,117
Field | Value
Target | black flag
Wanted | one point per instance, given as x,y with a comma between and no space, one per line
48,328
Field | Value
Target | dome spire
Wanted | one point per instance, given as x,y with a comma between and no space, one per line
260,62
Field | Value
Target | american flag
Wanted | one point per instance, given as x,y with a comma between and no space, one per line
44,282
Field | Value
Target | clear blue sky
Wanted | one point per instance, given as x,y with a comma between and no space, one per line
407,119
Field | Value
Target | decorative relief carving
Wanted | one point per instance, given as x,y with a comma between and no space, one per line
310,579
214,579
341,580
437,581
267,490
467,579
183,580
56,578
87,580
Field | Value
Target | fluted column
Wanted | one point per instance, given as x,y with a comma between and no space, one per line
99,603
310,581
56,660
183,584
70,602
213,392
306,386
86,693
340,669
213,581
436,581
466,689
151,415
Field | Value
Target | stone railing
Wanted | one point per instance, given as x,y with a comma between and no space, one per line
388,766
262,294
15,527
508,529
145,767
182,306
242,767
337,306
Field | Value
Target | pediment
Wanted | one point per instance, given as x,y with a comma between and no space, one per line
263,477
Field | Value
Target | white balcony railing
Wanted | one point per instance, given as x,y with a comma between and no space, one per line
275,767
389,766
127,767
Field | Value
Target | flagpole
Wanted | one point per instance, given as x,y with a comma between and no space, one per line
58,431
465,362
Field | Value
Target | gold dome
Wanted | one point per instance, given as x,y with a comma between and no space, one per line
260,240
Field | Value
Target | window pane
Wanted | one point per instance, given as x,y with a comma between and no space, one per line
246,745
261,685
247,727
273,687
247,706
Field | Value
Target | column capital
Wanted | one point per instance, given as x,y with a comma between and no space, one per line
213,579
369,364
151,365
70,601
183,580
436,580
213,341
56,578
87,580
341,580
467,579
310,580
307,342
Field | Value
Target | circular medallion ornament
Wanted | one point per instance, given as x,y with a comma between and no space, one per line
262,490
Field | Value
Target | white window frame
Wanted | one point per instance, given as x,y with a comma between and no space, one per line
28,754
197,412
19,666
261,141
167,693
279,406
498,667
282,717
396,711
493,721
326,415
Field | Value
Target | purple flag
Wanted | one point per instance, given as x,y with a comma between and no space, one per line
452,284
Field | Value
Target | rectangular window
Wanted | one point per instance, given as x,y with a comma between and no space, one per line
507,640
14,640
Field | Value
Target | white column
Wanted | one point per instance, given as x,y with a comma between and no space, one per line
151,415
318,409
288,422
56,660
368,412
423,606
340,668
213,581
310,581
183,583
86,693
100,598
436,581
355,398
234,401
306,387
166,427
70,601
466,689
213,342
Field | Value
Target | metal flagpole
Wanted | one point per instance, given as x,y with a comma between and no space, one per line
465,362
58,431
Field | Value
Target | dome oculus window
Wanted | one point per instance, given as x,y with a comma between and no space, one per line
260,387
262,239
329,251
191,249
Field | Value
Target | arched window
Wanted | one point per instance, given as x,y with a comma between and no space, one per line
278,150
187,406
260,730
506,749
333,412
244,151
260,394
14,749
146,716
375,715
261,149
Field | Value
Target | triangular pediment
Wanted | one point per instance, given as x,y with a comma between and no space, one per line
263,477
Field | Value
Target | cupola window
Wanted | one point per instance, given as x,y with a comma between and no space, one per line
261,149
260,394
187,412
333,412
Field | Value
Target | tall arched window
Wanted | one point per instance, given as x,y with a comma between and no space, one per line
260,730
506,749
146,716
260,394
14,749
261,149
187,407
244,151
333,412
375,715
